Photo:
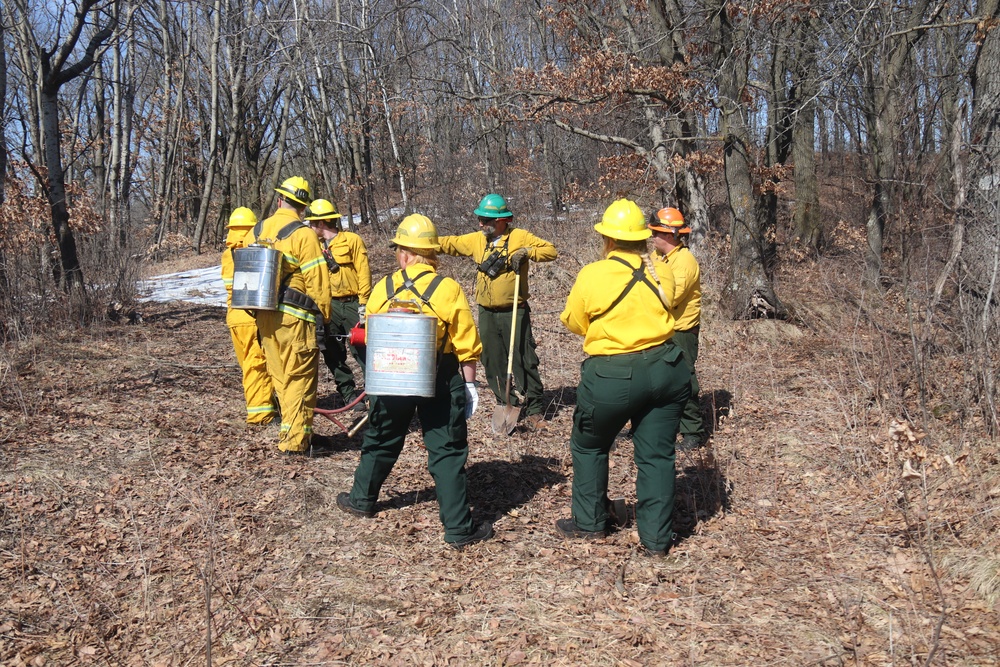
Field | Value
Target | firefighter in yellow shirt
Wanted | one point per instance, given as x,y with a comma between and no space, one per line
350,286
499,249
243,328
442,417
621,306
288,335
669,232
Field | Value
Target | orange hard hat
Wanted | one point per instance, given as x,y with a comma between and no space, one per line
668,220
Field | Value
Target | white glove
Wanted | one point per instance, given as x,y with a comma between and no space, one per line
471,399
361,311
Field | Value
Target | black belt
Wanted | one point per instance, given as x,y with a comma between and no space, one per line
503,309
349,297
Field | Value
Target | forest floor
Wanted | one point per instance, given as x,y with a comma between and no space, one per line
144,524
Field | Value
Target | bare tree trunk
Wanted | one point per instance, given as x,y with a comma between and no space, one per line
390,126
780,115
234,131
980,217
278,160
668,17
749,290
120,130
51,72
884,122
3,119
100,139
213,141
173,124
70,274
4,280
949,58
807,226
355,129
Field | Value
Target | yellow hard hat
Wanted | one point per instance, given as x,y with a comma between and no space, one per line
295,188
321,209
668,220
242,217
623,220
416,231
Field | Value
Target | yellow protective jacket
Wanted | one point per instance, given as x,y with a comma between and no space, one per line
354,276
687,288
499,292
236,238
456,329
639,321
303,267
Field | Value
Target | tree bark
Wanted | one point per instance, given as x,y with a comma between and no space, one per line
807,228
213,129
749,291
979,217
681,123
884,117
52,73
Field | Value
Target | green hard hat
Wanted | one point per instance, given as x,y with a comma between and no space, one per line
493,206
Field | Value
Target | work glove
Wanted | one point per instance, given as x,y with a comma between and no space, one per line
361,312
518,257
471,399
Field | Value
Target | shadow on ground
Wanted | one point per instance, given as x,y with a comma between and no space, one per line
495,487
701,491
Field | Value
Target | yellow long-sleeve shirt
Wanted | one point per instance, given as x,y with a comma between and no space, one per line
499,292
687,288
456,328
303,267
637,322
354,276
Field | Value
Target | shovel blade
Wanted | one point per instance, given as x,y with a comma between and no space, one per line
505,419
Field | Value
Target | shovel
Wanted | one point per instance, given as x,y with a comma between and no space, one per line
505,416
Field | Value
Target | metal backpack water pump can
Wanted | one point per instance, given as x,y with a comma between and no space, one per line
256,277
401,354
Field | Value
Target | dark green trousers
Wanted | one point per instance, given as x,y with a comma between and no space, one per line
442,419
494,331
691,420
649,388
343,316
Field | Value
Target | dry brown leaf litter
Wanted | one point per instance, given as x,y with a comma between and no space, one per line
819,528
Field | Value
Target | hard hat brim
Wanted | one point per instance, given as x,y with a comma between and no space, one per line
638,235
664,228
288,195
329,216
414,246
482,213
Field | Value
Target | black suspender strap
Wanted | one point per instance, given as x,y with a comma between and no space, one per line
638,276
410,284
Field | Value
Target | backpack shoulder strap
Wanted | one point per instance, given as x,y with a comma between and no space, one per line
289,229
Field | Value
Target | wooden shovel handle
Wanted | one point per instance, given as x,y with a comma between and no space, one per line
513,325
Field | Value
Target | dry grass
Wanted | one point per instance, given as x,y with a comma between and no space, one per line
131,487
